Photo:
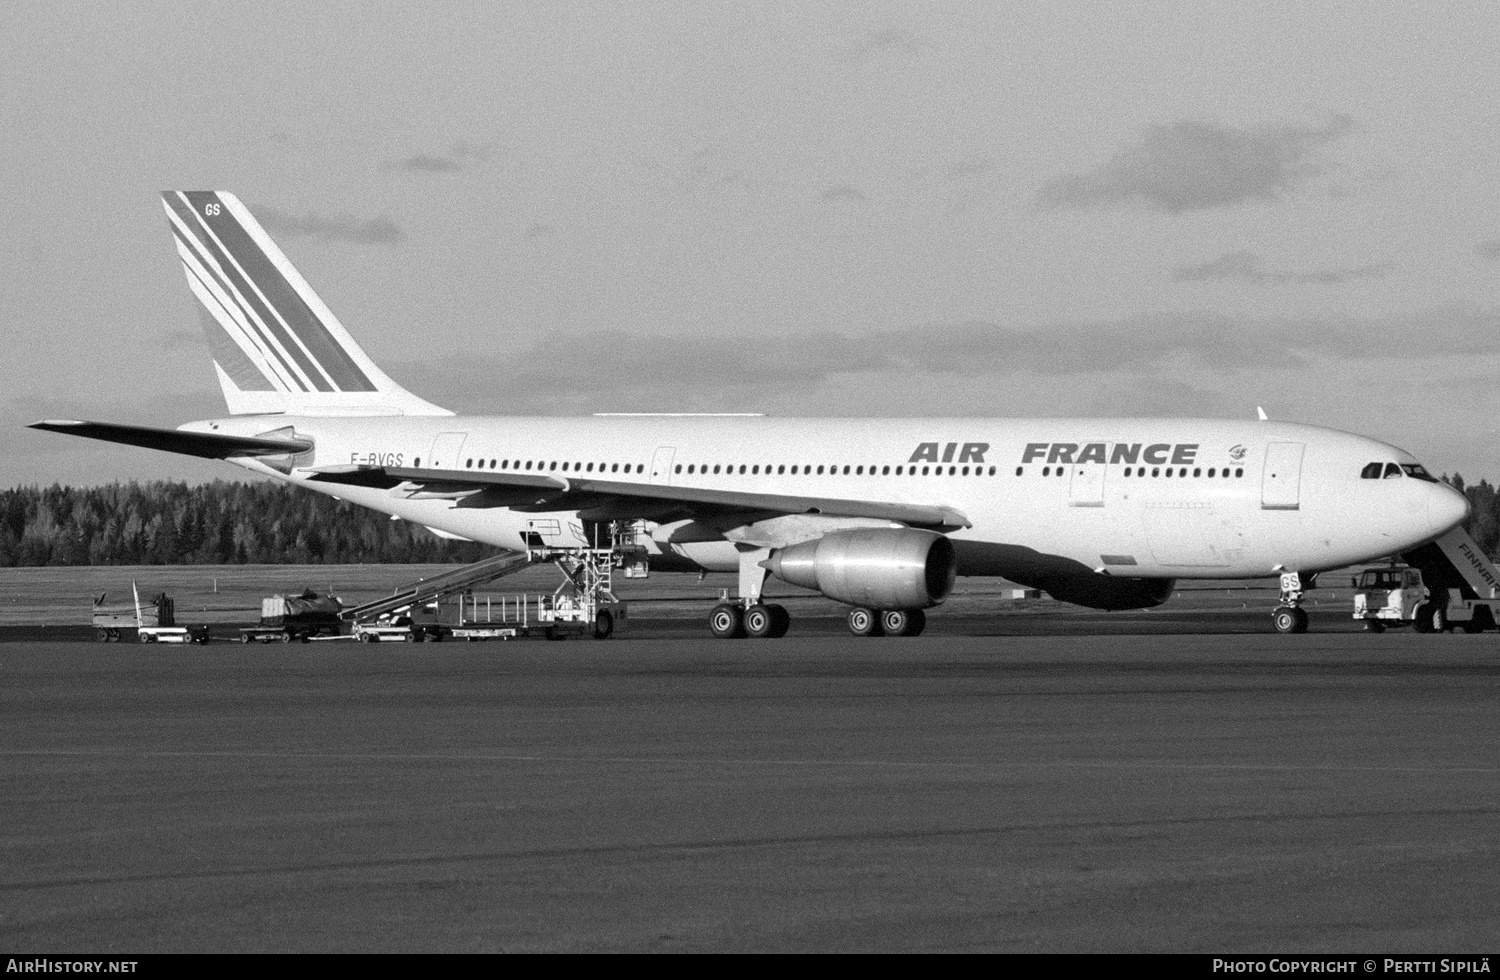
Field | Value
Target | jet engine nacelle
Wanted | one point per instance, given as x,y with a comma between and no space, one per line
882,568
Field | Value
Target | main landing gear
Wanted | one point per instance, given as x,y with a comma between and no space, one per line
1289,616
759,620
768,620
750,616
889,622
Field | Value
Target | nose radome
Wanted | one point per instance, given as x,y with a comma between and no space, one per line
1446,508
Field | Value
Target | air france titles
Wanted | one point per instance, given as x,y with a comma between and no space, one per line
1154,454
972,452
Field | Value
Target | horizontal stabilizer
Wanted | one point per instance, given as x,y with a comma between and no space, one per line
207,445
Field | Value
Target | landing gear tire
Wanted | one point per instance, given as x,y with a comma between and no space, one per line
864,622
1289,619
1428,618
903,622
726,622
760,622
604,624
783,621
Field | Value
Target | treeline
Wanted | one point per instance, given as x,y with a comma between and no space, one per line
219,523
1483,524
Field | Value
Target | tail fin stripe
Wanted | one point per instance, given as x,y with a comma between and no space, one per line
261,268
275,364
241,357
273,330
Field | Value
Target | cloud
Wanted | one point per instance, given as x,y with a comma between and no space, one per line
651,373
1489,250
707,171
882,43
540,230
461,157
1249,267
971,168
1196,166
341,227
971,182
843,192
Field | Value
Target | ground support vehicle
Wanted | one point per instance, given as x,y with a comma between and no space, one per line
174,634
385,630
445,606
154,622
284,618
511,617
1448,584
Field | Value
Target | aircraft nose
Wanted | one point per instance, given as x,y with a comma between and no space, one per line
1446,508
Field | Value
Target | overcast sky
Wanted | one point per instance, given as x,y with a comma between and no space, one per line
797,208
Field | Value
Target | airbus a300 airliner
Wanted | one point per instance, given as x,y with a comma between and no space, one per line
881,514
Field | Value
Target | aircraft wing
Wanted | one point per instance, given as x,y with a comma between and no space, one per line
208,445
621,499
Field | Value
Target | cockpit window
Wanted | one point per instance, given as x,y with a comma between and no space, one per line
1415,471
1392,471
1371,471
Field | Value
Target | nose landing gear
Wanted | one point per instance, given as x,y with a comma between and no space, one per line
1289,616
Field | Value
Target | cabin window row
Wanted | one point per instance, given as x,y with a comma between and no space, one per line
809,469
537,465
1162,471
1371,472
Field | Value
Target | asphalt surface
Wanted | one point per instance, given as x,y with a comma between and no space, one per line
1151,781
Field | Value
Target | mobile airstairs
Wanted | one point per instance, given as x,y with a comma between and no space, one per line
444,606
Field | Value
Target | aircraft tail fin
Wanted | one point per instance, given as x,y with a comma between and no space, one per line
276,345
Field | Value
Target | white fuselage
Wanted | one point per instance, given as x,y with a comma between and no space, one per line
1139,498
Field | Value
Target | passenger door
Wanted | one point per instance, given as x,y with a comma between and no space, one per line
1281,480
661,465
1086,488
447,449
